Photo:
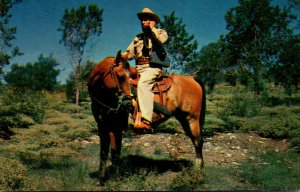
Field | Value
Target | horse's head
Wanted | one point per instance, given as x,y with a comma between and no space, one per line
110,79
121,70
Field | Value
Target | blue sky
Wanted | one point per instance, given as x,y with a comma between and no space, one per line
37,22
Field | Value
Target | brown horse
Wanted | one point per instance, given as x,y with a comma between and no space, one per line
109,90
184,98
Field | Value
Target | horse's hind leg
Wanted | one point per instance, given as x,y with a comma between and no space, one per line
192,128
197,140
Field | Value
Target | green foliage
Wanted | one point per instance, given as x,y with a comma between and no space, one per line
211,65
273,171
278,122
38,76
80,133
221,179
77,27
244,104
48,158
84,76
12,174
295,139
181,47
287,71
21,109
257,32
189,180
247,113
7,50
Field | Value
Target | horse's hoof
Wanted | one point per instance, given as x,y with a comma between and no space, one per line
199,163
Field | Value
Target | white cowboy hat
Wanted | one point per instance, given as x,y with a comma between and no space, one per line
148,12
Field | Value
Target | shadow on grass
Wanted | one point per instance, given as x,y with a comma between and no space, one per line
135,164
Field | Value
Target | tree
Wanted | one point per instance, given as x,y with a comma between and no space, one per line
257,31
38,76
295,4
286,72
77,26
7,34
210,67
84,76
181,47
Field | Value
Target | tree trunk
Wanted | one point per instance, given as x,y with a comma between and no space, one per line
77,84
77,95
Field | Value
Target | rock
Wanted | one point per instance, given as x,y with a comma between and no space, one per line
147,145
94,139
228,155
235,163
85,143
232,137
235,147
217,148
127,144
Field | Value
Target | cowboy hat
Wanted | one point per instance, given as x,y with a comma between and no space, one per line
148,12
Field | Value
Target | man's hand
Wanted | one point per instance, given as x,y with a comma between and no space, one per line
147,30
152,24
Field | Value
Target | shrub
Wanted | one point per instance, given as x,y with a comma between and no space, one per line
243,105
29,103
284,100
213,124
79,133
295,139
231,123
190,179
47,158
12,174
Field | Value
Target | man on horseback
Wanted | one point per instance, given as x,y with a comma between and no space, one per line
147,50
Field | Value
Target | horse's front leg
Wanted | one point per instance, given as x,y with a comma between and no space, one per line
104,145
116,145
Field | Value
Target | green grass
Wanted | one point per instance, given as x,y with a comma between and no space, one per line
273,171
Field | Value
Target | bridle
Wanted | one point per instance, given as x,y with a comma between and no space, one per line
121,96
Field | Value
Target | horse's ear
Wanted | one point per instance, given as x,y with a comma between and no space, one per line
118,57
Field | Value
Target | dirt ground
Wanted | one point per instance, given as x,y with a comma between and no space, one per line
222,149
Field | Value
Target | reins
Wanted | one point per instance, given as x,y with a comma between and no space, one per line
108,107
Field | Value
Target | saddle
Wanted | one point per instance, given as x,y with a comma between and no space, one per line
162,83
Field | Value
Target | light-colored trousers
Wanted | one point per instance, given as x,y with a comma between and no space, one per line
144,89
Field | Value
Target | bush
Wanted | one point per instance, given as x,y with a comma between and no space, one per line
12,174
243,105
288,101
47,158
79,133
295,139
29,103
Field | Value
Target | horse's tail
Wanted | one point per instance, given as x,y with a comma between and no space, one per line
203,107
